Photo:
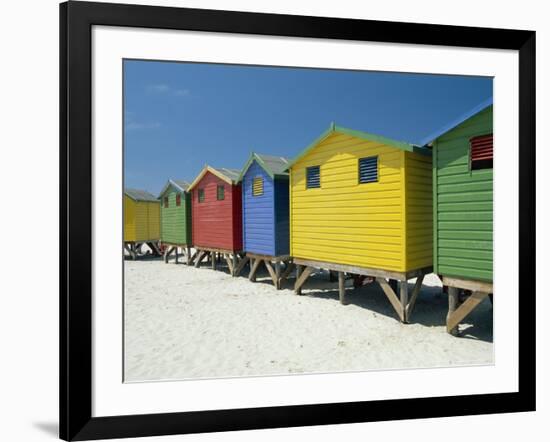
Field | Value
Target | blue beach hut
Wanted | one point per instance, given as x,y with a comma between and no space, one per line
266,215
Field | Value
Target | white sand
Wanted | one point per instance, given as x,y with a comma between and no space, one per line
182,322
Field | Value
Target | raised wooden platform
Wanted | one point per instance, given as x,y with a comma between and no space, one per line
456,314
235,259
403,305
174,248
134,247
273,266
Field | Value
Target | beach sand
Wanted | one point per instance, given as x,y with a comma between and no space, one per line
182,322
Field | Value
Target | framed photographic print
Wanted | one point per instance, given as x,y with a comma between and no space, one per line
273,220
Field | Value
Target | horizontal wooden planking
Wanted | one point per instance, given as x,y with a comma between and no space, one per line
343,218
479,226
419,208
486,196
466,244
464,203
445,252
342,258
469,273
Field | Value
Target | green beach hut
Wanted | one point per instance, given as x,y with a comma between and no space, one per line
175,218
463,209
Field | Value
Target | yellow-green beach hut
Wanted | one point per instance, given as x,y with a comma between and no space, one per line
362,204
141,221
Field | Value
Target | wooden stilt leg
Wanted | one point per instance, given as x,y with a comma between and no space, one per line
176,252
214,260
188,258
404,298
342,287
235,260
298,290
229,263
271,271
134,252
278,275
200,257
464,310
453,304
241,265
304,274
253,268
390,294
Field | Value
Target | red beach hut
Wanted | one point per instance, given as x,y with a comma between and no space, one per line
217,217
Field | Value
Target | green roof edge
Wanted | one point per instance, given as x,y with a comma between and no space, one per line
333,128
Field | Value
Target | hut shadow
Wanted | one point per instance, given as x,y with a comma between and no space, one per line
430,309
148,257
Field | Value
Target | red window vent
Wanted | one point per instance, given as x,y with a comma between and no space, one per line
481,148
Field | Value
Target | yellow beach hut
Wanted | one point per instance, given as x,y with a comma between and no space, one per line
141,221
362,204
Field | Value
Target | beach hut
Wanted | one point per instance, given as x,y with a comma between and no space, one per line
362,204
216,204
463,209
141,221
264,183
175,219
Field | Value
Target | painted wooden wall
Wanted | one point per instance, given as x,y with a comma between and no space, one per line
176,220
265,217
358,224
282,216
258,213
141,220
419,211
217,224
463,200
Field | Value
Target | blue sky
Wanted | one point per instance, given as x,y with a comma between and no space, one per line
180,116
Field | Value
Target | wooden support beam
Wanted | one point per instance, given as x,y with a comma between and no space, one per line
453,304
277,274
404,298
241,265
342,287
304,274
464,310
253,268
167,253
176,253
394,300
214,260
414,295
271,271
229,263
288,270
298,274
467,284
200,256
234,263
191,257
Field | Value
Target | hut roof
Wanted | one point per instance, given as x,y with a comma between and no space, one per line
456,122
230,176
140,195
362,135
180,185
274,166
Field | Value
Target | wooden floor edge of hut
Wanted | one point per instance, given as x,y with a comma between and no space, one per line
133,247
388,281
458,311
273,265
235,259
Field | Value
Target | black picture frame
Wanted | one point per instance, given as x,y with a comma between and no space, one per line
76,21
